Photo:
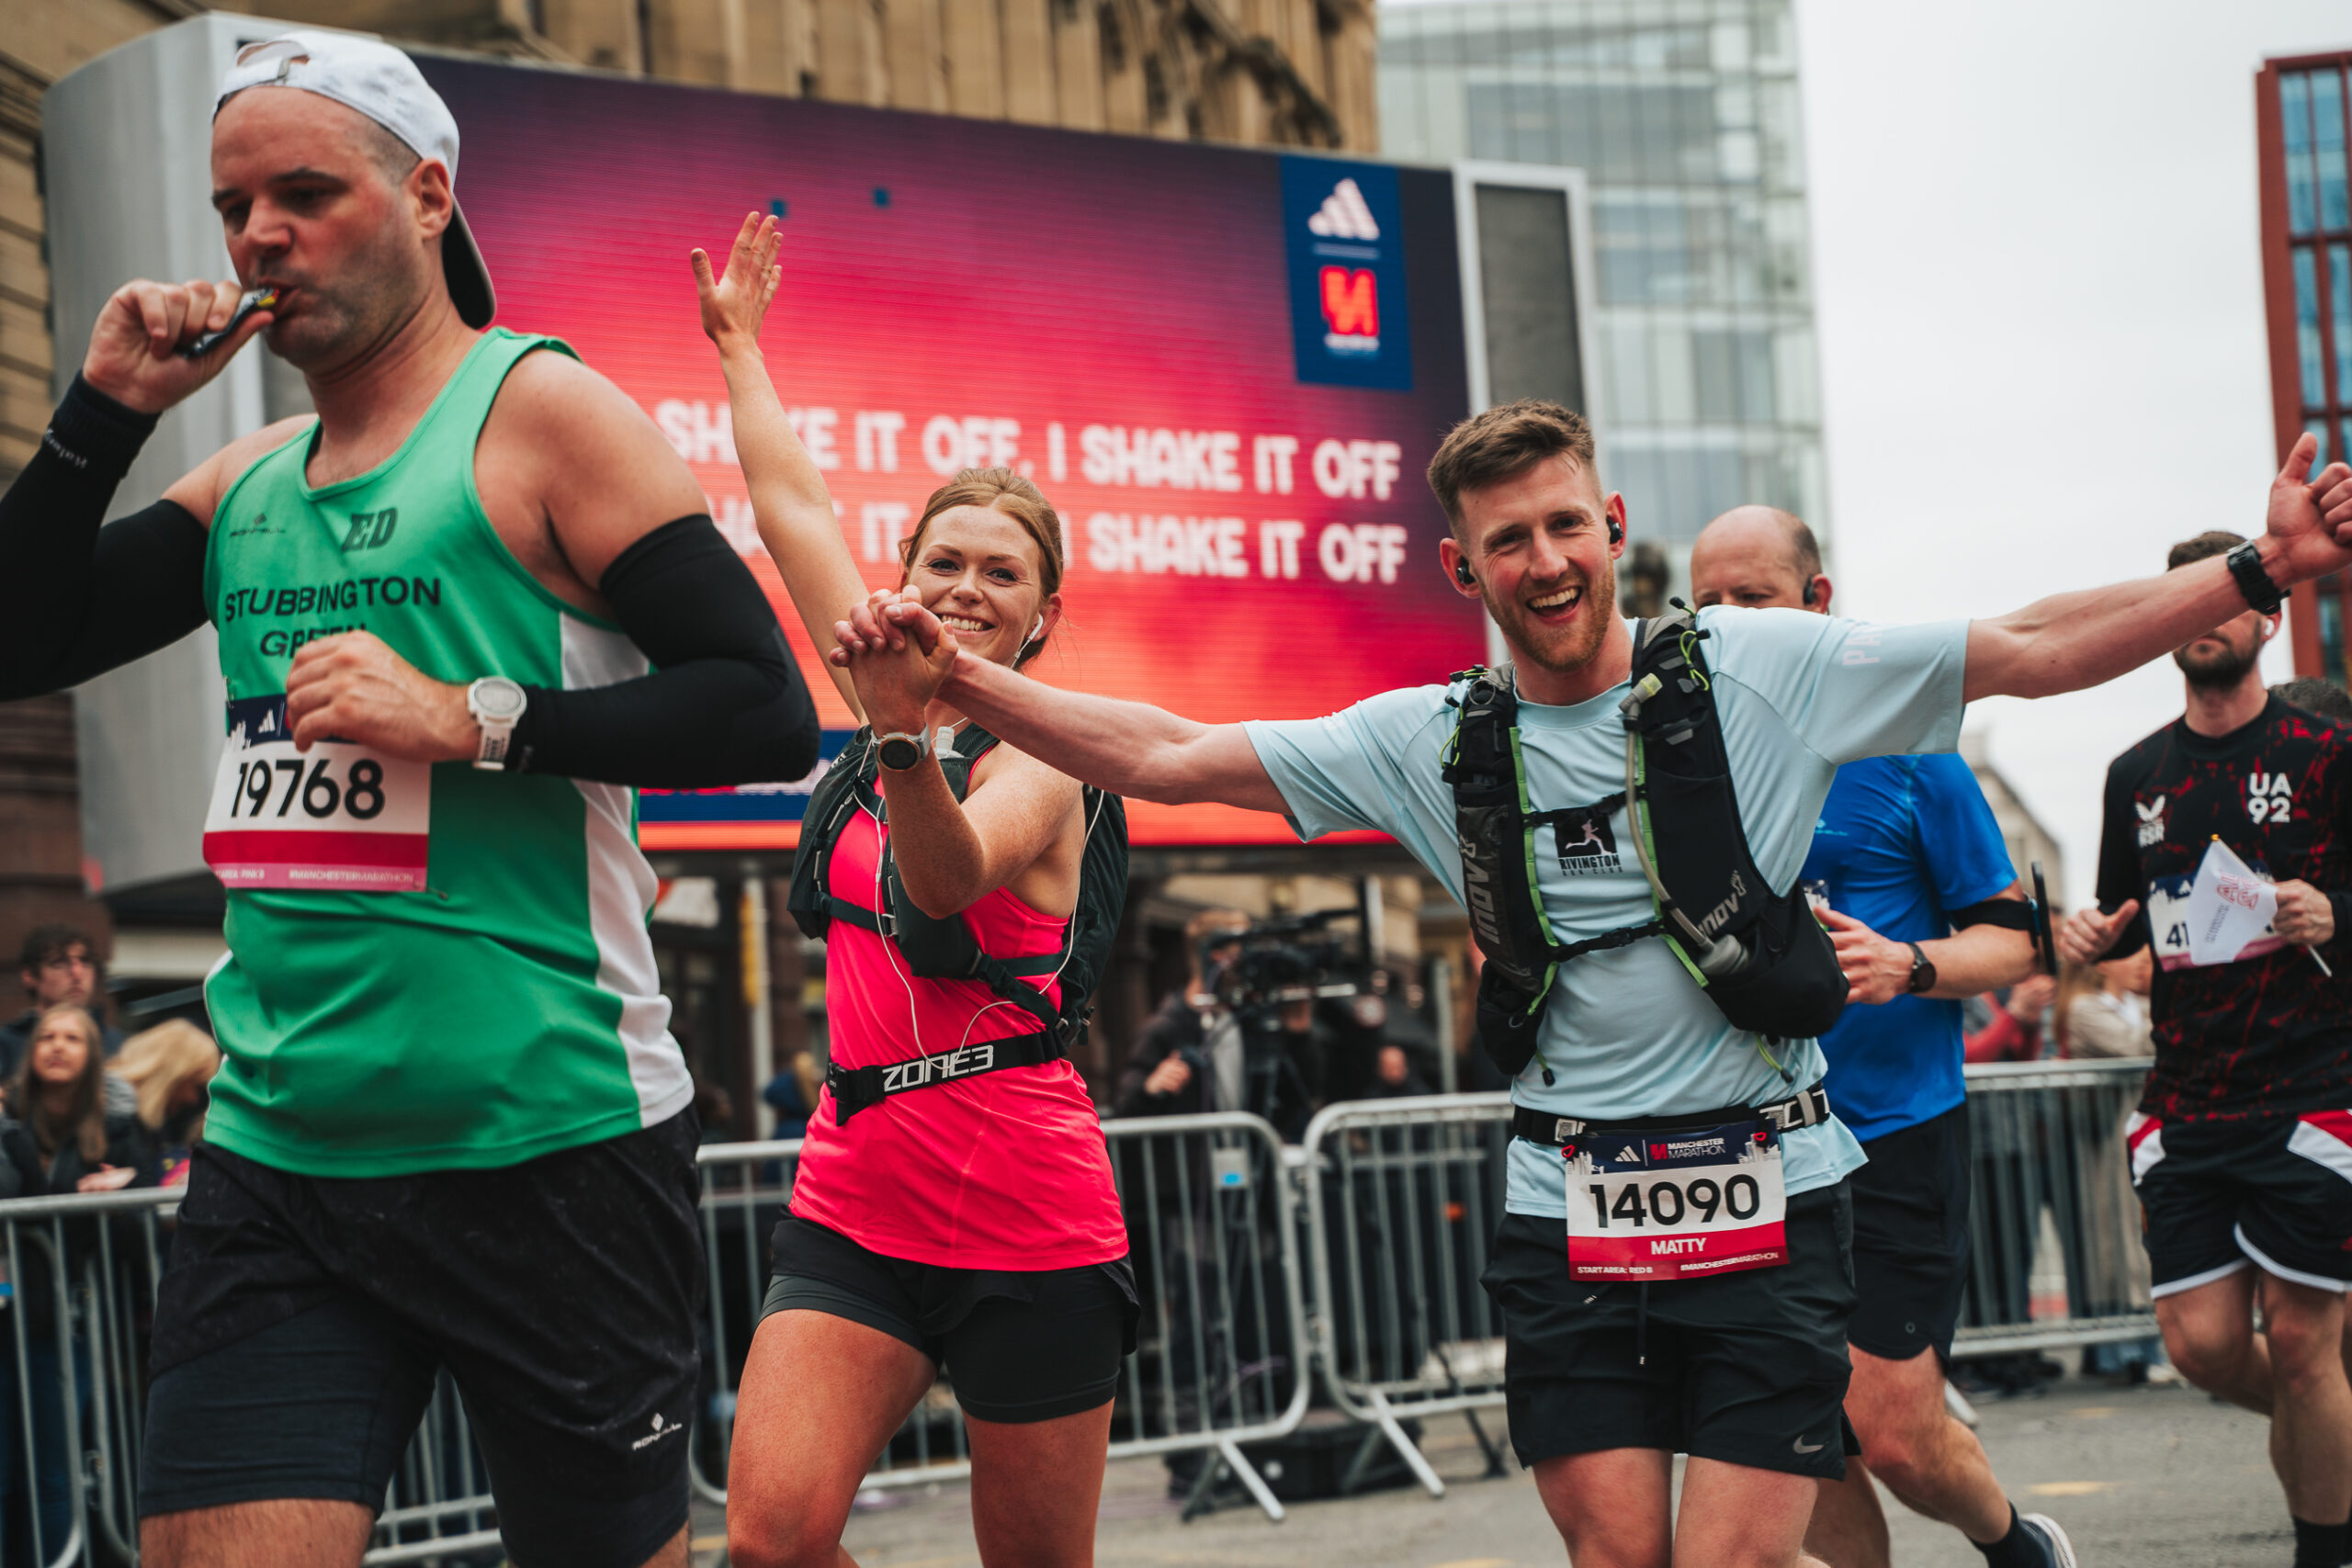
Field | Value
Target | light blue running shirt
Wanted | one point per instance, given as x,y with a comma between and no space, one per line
1628,1033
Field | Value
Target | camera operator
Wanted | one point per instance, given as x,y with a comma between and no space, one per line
1188,1057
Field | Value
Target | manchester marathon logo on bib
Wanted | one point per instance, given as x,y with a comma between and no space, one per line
336,817
1676,1205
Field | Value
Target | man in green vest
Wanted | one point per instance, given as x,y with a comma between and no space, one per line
461,615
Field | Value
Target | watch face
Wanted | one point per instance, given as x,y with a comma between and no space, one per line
498,698
899,754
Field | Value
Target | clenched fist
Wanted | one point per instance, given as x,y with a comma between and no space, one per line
134,355
352,686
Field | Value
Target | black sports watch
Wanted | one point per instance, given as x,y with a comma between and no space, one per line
1923,974
899,750
2245,565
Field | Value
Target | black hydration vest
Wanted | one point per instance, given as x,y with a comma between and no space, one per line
1761,956
945,949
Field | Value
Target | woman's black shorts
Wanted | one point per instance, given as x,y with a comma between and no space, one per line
1016,1345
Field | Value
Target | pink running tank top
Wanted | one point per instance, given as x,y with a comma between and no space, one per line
1003,1170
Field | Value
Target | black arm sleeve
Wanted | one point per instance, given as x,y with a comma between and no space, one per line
2120,876
725,704
83,599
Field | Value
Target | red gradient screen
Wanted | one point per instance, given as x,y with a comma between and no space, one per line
1110,315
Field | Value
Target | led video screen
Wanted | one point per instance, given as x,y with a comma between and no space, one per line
1225,368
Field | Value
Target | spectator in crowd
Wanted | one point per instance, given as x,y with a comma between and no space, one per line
63,1140
2316,693
1396,1075
59,967
792,1094
1189,1056
170,1068
2105,1013
2014,1031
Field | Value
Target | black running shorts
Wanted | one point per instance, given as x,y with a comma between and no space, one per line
2274,1192
1911,1238
1750,1368
1016,1345
302,1319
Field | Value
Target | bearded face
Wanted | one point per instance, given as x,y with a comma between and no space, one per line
2222,658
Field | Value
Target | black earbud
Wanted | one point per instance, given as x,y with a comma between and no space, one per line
1462,574
1616,532
1808,593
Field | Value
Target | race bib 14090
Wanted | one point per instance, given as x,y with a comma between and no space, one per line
1657,1205
335,817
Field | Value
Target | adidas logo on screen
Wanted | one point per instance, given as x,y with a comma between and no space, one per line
1344,215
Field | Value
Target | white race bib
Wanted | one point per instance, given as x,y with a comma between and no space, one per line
1650,1205
337,817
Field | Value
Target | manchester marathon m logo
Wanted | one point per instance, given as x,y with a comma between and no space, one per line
1344,228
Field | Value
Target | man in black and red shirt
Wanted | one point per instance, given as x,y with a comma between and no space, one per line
2242,1148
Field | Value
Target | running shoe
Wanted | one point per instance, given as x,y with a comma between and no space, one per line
2047,1531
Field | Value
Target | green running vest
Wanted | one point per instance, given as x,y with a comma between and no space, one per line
393,1002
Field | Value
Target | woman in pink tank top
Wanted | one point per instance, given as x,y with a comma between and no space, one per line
954,1204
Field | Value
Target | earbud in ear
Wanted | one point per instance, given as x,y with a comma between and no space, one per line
1616,532
1462,574
1038,631
1809,593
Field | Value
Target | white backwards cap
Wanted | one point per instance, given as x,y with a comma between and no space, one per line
372,76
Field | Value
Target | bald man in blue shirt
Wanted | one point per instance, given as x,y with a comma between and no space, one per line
1904,845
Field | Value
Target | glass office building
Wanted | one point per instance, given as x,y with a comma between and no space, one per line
1684,116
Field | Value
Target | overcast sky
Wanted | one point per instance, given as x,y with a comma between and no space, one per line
2040,307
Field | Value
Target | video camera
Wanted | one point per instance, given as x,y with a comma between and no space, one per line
1284,965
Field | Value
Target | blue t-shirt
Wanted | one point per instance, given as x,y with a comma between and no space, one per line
1902,841
1628,1033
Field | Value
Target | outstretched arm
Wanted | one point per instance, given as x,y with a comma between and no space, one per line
1129,749
2069,641
789,501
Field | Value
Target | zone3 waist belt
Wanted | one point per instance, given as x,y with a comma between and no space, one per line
855,1089
1809,1108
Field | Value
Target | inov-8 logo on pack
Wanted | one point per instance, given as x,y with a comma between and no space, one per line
337,817
1673,1205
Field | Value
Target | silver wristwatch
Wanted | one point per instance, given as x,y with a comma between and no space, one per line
899,750
497,704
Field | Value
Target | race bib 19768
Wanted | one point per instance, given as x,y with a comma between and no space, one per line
335,817
1653,1205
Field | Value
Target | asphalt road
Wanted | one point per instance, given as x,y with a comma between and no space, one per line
2148,1477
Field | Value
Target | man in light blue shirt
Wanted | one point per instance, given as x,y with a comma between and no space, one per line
1743,1371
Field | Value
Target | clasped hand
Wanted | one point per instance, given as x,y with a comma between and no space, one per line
898,655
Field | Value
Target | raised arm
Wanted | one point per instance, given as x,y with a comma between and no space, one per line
789,501
86,598
2069,641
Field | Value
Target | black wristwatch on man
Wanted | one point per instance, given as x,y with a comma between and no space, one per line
1923,972
2245,565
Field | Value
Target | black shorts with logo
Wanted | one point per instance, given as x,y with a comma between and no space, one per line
2273,1191
1911,1238
1748,1367
1018,1345
303,1321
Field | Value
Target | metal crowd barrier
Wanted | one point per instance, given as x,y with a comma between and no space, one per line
1221,1352
1397,1200
1403,1196
2054,1255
